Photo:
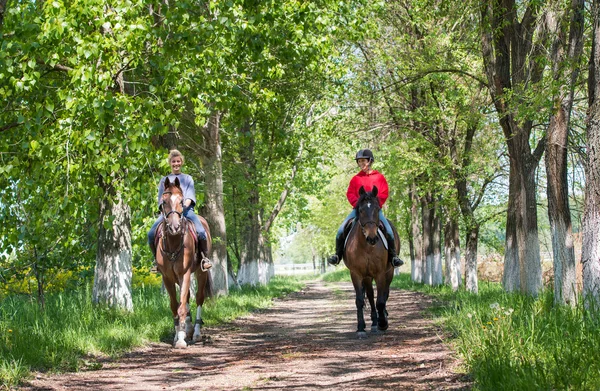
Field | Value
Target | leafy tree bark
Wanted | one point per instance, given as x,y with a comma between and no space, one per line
590,257
509,57
565,58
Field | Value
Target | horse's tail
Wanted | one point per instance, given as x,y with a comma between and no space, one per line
208,287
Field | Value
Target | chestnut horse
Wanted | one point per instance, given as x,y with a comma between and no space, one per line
367,258
177,260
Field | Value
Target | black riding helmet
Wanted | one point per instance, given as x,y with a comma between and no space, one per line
365,154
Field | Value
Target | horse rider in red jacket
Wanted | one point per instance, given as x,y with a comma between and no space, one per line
367,177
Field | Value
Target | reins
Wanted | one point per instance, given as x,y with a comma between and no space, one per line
173,255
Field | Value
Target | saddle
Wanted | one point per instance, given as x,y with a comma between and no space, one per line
380,230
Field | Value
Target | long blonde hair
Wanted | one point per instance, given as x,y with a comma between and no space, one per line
175,153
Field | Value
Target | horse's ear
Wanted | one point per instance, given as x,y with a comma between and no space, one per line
177,182
374,191
167,183
361,191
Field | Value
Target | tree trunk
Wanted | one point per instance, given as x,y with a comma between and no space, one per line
471,281
416,245
590,257
214,210
437,272
452,252
427,248
113,273
525,271
564,53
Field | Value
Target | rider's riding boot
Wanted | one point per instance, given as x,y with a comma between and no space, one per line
205,263
339,251
154,268
394,259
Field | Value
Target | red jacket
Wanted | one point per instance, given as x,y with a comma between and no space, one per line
375,178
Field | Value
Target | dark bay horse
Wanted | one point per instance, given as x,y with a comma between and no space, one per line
177,261
367,258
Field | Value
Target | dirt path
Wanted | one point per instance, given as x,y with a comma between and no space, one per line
306,341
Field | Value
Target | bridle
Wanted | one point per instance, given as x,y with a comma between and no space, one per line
173,255
369,222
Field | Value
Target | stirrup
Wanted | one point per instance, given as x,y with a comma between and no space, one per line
333,260
205,264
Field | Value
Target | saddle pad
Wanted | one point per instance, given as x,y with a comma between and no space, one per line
349,227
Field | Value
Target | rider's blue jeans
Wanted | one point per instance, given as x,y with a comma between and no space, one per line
189,214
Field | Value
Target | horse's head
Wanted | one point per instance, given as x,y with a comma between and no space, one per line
367,210
172,206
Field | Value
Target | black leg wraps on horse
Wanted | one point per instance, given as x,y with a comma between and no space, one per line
392,256
339,251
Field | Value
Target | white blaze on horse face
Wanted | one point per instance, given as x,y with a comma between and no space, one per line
368,205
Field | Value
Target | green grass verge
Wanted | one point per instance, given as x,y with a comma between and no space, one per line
71,331
513,342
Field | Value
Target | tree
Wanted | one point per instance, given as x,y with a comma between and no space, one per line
565,56
510,53
590,257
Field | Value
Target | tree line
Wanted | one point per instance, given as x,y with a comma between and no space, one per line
461,102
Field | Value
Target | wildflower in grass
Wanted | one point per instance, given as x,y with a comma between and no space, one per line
495,306
9,330
495,319
509,312
469,315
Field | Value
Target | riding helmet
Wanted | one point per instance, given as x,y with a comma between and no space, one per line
365,154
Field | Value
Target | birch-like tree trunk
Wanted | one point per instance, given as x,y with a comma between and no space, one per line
113,272
591,219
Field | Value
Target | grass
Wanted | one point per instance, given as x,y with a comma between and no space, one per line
512,342
71,332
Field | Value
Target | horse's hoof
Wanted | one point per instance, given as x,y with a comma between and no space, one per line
362,334
180,344
382,328
374,328
197,337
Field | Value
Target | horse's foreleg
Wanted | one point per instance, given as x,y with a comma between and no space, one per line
360,304
201,279
182,310
368,285
170,287
383,291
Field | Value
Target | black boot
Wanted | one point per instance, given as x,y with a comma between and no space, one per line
202,253
154,268
394,259
339,251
